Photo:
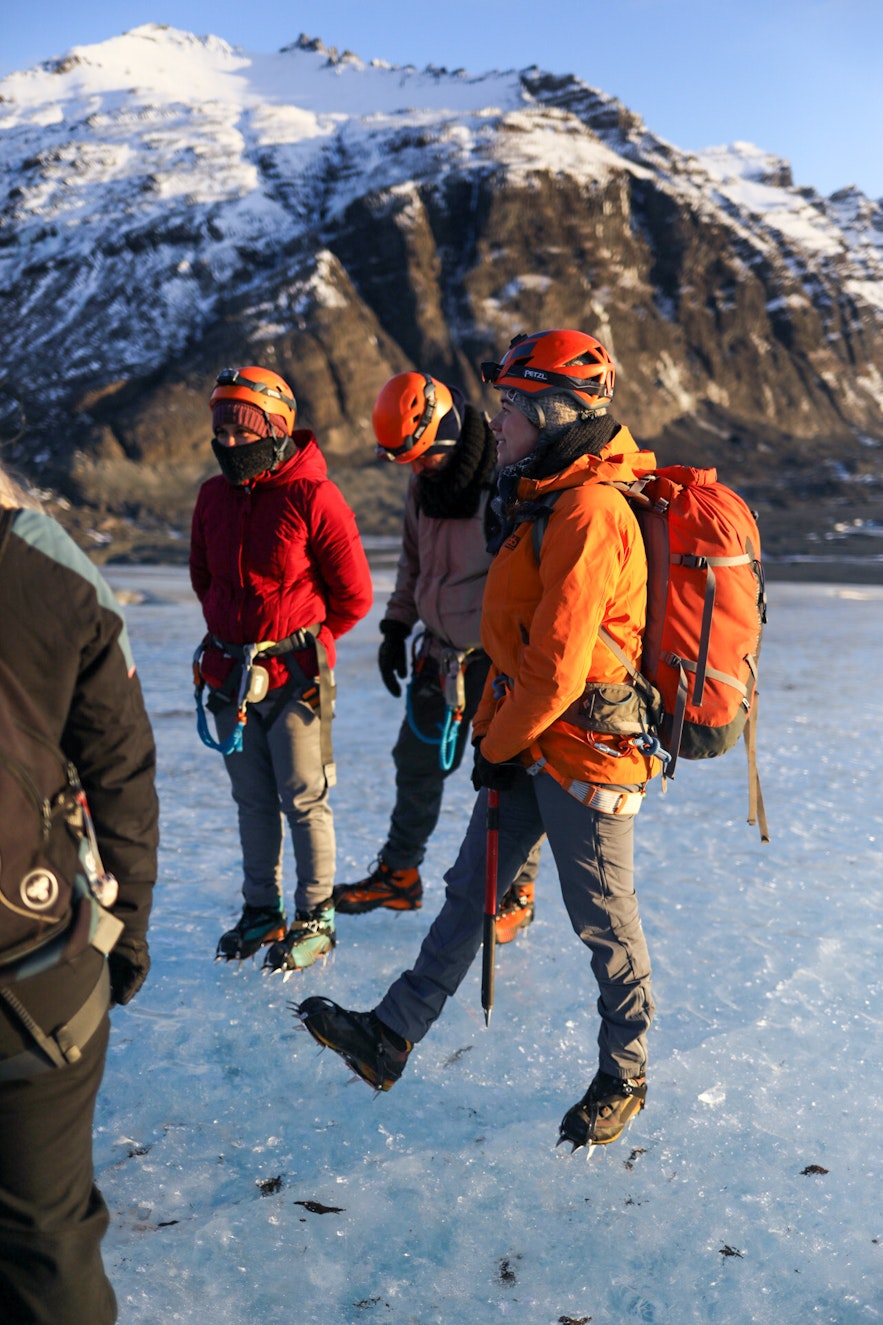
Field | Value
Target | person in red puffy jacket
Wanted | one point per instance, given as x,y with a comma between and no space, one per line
278,566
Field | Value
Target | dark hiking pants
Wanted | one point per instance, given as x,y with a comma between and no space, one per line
594,858
420,777
52,1216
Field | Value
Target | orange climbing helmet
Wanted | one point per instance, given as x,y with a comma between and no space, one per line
406,416
552,362
261,389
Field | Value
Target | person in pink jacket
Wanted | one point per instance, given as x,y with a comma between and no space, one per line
278,566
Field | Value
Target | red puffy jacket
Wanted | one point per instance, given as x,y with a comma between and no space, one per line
274,556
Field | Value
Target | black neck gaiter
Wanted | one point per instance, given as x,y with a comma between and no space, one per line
454,492
241,464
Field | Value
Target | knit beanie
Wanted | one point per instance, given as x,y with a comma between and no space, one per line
526,405
551,414
238,414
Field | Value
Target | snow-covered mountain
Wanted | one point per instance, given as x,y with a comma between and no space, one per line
171,203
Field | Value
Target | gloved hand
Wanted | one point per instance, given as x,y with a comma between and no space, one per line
498,777
392,658
128,963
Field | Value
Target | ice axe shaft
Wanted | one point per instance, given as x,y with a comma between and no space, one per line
489,934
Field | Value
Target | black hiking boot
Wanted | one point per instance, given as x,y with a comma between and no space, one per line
256,926
310,937
370,1049
607,1107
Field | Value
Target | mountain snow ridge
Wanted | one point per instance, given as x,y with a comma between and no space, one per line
208,147
164,192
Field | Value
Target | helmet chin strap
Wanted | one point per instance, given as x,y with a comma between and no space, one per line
279,442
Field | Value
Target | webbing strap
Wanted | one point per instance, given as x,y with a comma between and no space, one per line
326,713
298,639
756,810
690,559
704,636
66,1045
724,677
6,518
677,719
623,804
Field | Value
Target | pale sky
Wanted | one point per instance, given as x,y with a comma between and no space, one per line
800,78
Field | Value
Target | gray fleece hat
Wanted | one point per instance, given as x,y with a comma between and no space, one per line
552,414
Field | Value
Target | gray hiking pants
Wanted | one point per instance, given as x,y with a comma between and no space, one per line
420,777
278,776
594,858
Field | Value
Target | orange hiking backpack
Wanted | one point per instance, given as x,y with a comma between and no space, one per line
706,609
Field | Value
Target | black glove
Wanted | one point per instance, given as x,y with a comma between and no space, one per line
498,777
392,658
128,963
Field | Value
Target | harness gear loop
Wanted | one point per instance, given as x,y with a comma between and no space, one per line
233,744
451,674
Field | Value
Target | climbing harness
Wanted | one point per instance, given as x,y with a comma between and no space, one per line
608,800
602,710
254,682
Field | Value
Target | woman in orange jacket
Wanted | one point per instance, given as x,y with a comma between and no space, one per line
560,730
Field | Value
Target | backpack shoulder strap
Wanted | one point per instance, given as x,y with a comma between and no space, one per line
541,520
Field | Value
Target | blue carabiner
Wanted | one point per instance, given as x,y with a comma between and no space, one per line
651,746
448,744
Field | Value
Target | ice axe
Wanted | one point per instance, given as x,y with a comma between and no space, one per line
489,933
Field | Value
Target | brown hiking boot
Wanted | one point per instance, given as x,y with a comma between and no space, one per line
397,890
515,913
603,1112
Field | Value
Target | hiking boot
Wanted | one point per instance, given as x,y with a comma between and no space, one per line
311,936
256,926
603,1112
397,890
370,1049
516,911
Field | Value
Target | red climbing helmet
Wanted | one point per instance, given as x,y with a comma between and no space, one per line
552,362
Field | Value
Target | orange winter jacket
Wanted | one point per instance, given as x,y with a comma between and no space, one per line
540,622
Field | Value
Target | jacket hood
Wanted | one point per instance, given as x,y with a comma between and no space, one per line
620,461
